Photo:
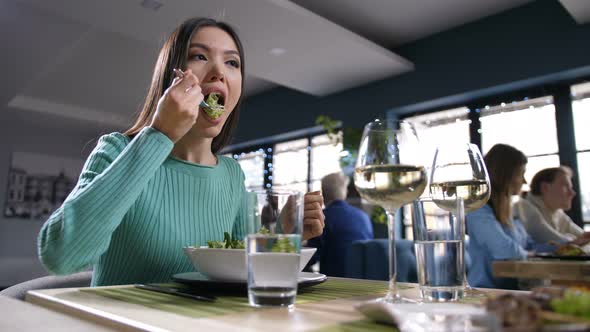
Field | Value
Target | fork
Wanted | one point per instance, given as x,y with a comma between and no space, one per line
180,74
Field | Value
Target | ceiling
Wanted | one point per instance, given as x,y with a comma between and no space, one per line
91,61
578,9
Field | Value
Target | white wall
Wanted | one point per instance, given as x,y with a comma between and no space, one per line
35,133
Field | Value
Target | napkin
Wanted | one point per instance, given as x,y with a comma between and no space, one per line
422,317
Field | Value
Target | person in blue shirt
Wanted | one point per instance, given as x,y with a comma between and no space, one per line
493,233
344,224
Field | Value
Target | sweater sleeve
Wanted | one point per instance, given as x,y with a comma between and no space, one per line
114,175
485,229
244,222
570,226
536,225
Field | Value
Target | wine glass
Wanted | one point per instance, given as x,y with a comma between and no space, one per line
381,179
459,173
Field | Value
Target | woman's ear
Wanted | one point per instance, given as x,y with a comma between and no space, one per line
544,187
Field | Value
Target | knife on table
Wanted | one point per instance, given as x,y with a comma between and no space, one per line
176,291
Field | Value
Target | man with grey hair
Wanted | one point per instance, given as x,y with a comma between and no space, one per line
344,224
334,187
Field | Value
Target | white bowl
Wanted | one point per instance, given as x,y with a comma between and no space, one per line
229,264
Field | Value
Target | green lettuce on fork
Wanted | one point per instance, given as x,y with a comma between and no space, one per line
215,110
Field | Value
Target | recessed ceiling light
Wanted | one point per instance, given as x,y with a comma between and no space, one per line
278,51
151,4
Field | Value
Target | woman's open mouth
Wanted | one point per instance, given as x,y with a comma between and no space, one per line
216,103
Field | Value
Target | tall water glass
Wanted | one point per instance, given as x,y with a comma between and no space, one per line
382,179
438,243
273,247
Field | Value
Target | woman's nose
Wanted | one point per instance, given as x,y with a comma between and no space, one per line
216,72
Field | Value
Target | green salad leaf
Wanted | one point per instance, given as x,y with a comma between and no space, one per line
216,109
227,243
216,244
283,245
264,231
574,302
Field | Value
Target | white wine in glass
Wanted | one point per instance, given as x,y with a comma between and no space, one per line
459,173
381,179
475,193
390,186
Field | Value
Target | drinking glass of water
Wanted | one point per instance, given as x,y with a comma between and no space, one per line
273,247
439,250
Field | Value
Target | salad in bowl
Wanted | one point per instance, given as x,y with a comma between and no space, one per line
226,260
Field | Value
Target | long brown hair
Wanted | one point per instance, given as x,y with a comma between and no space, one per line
174,54
503,161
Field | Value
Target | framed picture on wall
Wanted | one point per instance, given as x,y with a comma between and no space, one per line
38,184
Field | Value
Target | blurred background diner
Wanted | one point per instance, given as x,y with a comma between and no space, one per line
488,72
542,209
344,224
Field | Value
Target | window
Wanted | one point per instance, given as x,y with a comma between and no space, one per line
434,129
528,125
290,165
252,164
440,128
325,155
581,114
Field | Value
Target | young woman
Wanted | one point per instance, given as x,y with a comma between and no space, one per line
493,233
159,186
542,210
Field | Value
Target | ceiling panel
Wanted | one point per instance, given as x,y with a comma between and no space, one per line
31,41
313,61
104,71
393,22
578,9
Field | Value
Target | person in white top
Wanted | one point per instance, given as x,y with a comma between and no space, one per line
542,210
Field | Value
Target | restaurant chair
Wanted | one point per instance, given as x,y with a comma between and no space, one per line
18,291
368,260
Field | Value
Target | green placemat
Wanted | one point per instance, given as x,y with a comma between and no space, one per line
358,326
330,290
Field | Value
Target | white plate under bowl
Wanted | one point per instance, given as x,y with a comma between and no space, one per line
229,264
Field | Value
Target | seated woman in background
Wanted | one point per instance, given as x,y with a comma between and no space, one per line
493,233
542,210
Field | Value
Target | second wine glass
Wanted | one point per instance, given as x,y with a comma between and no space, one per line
382,179
459,173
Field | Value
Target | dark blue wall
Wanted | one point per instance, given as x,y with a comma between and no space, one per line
529,45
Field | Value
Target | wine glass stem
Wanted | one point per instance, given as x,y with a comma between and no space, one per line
392,294
461,215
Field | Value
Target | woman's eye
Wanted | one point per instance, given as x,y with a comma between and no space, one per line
234,63
200,57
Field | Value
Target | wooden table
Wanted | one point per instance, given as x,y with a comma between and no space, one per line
123,308
19,316
563,272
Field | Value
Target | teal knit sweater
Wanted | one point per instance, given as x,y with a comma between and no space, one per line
134,208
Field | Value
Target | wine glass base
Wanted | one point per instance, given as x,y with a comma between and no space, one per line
472,292
395,299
